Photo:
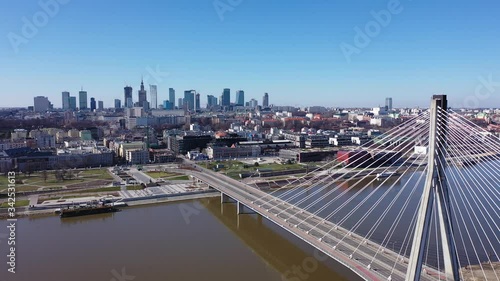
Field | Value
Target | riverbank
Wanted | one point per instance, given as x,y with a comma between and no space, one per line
484,271
26,212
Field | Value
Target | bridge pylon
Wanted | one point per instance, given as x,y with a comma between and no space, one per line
435,191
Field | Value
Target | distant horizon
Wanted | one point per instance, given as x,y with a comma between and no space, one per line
275,105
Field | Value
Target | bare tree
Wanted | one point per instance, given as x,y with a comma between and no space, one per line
45,175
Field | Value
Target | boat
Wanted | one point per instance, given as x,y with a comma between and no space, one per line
88,209
119,204
385,175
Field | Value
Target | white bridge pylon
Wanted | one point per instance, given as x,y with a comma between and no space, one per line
435,194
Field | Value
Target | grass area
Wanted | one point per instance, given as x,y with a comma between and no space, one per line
234,168
102,174
157,175
36,180
227,164
19,203
4,181
53,182
179,178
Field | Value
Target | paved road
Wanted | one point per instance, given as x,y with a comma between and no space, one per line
350,249
139,176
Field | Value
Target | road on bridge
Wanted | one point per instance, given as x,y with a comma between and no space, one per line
353,251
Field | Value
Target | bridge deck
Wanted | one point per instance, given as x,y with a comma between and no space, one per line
354,251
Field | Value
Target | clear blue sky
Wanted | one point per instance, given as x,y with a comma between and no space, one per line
288,48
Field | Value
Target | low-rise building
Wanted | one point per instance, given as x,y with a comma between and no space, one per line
137,156
316,141
308,155
224,152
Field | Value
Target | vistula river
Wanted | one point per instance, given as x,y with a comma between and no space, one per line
192,240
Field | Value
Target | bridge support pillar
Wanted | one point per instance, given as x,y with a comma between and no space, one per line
224,198
435,193
242,209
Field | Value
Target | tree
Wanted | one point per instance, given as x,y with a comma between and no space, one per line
44,175
256,164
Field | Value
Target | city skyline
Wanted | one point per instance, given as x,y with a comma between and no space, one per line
407,59
156,99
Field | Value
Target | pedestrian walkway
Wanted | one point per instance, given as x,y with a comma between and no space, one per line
160,190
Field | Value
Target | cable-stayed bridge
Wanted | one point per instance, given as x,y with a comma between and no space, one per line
419,203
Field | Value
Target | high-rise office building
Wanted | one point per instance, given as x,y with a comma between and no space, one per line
197,101
168,105
153,92
118,103
41,104
180,103
72,103
265,100
83,99
189,99
253,103
92,104
142,94
65,100
128,97
100,105
211,101
240,98
388,104
226,97
171,95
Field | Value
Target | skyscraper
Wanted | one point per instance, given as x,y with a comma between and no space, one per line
189,99
180,103
253,103
211,101
168,105
171,95
72,103
388,104
83,99
128,97
142,94
41,104
240,98
100,105
197,101
226,97
265,100
153,92
118,103
92,104
65,100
